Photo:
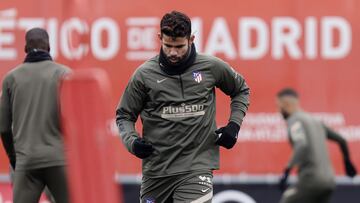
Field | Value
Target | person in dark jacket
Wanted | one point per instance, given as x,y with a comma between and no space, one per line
308,136
174,94
29,122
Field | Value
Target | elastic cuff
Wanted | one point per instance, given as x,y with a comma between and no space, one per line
234,125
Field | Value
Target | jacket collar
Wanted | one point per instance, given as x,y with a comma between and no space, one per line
37,55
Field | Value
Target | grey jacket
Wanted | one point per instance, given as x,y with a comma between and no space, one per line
29,109
308,138
178,113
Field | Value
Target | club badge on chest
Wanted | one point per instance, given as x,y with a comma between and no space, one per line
197,76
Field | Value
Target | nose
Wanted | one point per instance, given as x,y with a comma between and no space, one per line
173,52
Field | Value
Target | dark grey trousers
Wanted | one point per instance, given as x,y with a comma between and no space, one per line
29,184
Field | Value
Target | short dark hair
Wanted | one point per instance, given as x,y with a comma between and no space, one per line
176,24
37,38
287,92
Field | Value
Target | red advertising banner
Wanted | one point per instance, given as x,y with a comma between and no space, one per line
312,46
83,94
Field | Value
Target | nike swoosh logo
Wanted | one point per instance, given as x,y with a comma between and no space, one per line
160,81
205,190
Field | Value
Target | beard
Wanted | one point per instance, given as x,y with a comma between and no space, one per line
178,59
284,114
179,64
174,59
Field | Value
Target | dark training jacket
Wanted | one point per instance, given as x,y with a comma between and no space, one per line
29,110
178,113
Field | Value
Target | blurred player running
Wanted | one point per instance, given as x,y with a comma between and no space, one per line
174,93
308,139
29,123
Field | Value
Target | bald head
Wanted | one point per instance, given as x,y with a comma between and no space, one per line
37,38
288,102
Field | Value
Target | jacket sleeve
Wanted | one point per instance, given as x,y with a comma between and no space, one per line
6,119
299,143
232,84
334,136
129,108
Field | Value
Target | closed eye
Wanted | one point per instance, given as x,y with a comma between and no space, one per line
177,47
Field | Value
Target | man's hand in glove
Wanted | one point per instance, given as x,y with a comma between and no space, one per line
228,135
142,149
349,168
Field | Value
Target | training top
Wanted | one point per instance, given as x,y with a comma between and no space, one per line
30,108
178,113
308,137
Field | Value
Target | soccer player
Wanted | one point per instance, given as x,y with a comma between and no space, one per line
174,93
29,122
308,137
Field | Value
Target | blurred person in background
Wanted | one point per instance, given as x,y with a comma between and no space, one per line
308,138
30,122
174,94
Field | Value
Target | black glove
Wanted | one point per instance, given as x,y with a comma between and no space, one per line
283,179
142,149
349,168
228,135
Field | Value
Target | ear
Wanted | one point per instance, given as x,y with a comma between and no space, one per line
192,38
26,49
159,36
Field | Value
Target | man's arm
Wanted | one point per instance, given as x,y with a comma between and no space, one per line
232,84
8,143
128,110
299,144
6,122
333,136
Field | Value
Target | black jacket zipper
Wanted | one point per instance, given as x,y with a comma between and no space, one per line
182,87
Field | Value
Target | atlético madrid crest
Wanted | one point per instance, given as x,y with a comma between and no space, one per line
149,200
197,76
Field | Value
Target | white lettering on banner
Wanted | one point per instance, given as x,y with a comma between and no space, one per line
113,44
256,38
197,31
67,38
220,40
286,33
310,38
52,24
28,23
7,38
247,52
142,41
329,25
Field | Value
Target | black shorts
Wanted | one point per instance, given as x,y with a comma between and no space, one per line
193,187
